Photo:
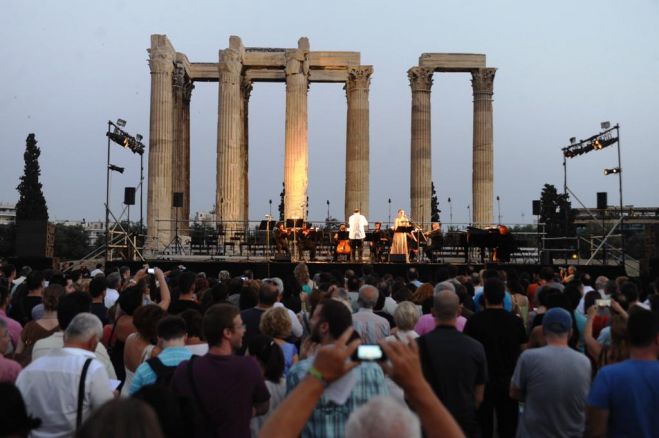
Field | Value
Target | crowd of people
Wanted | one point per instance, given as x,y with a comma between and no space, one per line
356,354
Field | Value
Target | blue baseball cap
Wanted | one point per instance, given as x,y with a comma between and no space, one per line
557,321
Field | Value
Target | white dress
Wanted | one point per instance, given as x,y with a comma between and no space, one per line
146,354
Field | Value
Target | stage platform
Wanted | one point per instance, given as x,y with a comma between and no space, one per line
284,269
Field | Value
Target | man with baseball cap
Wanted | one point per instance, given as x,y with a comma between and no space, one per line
553,383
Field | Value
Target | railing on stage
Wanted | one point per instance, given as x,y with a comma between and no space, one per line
255,239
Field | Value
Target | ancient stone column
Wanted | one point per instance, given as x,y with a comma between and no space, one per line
246,90
357,142
421,169
178,152
185,156
229,195
482,173
161,141
296,158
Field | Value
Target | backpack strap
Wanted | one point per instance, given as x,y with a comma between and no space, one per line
157,366
81,390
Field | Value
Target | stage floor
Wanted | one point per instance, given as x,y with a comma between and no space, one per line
263,268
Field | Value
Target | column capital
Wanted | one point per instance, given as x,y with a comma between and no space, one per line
178,76
187,91
359,77
246,87
297,62
482,80
230,66
161,59
420,78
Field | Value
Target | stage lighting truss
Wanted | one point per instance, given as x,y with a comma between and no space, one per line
595,143
124,139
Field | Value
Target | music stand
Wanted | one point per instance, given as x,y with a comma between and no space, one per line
267,225
401,229
294,223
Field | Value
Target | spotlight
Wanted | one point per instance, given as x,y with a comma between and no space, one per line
138,137
116,168
605,125
121,123
611,171
597,145
573,140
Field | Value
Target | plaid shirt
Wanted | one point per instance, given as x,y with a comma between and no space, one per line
328,419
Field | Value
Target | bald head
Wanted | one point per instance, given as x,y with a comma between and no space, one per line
368,296
446,303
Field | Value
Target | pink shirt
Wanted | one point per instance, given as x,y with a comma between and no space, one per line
14,327
9,370
427,323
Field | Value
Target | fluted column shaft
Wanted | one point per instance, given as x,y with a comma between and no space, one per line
483,160
178,176
421,164
229,203
296,158
357,140
159,196
246,90
185,155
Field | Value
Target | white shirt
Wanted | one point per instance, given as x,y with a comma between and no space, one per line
111,297
296,327
95,272
49,387
56,341
356,224
390,305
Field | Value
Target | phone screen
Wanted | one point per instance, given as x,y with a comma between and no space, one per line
369,353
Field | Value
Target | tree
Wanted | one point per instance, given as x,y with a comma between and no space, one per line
71,241
281,203
7,240
434,204
31,204
556,213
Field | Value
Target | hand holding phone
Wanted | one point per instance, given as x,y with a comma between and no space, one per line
369,353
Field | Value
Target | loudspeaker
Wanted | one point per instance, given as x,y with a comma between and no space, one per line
282,258
129,195
177,199
536,207
397,258
601,201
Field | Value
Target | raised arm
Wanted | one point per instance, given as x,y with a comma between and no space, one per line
165,296
592,346
332,362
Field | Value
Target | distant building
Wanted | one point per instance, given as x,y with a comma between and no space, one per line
93,229
7,213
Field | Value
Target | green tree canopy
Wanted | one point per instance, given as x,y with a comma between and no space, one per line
31,204
556,213
71,241
434,204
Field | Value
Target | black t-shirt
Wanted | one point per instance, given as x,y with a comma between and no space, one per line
501,333
28,304
454,364
182,305
251,318
101,311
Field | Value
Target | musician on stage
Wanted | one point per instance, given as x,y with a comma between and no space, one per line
306,240
436,240
341,246
281,239
399,243
356,224
378,243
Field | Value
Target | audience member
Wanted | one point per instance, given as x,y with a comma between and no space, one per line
454,364
503,336
41,328
370,327
330,319
97,290
65,386
14,419
126,418
207,380
276,324
624,398
9,369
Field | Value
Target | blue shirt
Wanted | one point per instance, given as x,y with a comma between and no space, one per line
328,420
144,375
629,390
507,300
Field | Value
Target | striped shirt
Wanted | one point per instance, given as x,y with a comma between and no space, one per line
328,419
170,357
370,327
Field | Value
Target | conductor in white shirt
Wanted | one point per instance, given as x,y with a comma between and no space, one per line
356,224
